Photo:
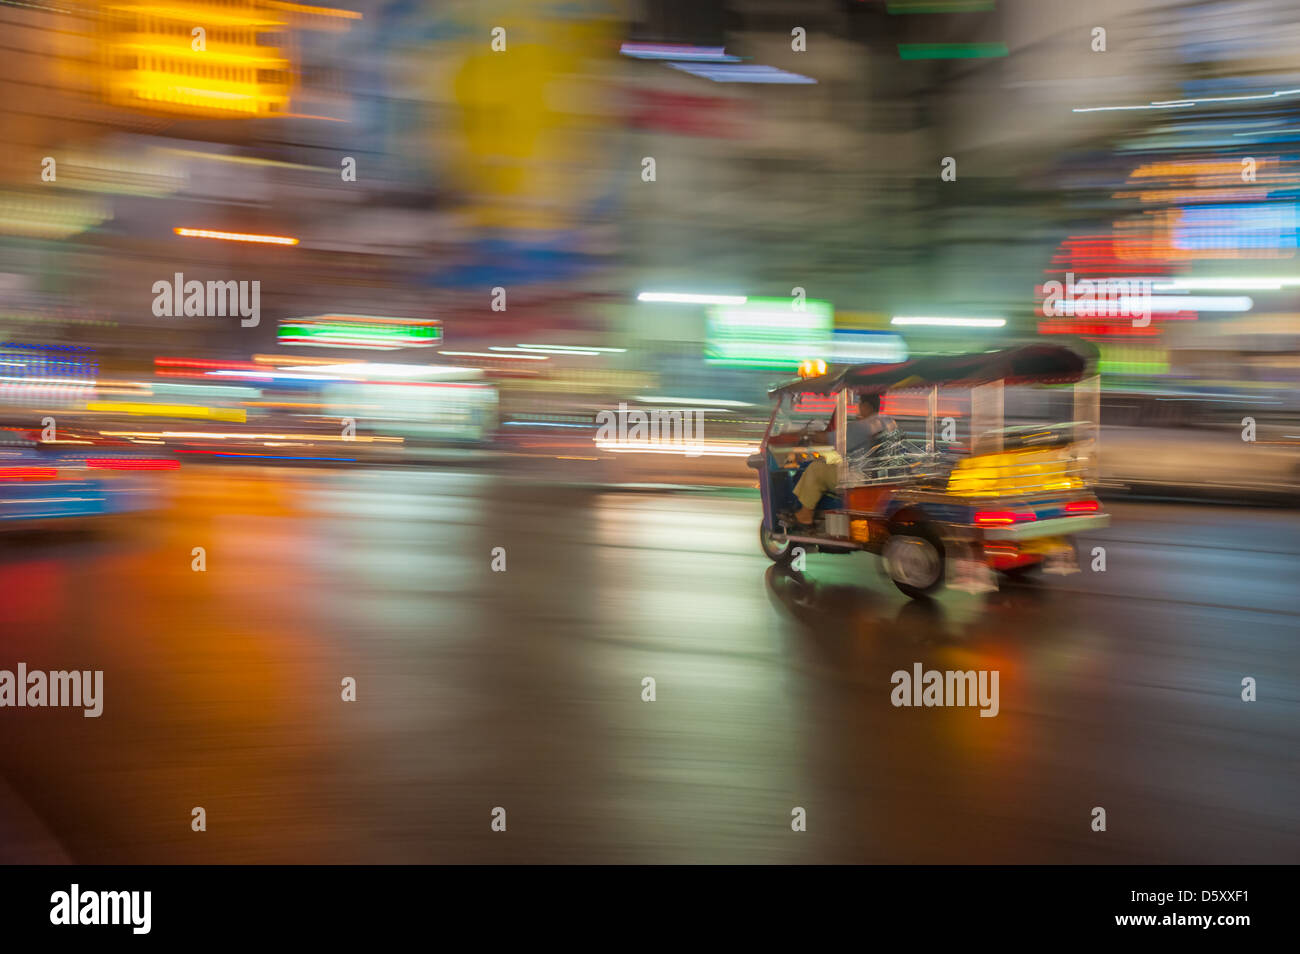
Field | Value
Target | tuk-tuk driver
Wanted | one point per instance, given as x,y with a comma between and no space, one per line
864,435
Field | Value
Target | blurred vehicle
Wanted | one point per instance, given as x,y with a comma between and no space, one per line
39,491
79,478
1011,505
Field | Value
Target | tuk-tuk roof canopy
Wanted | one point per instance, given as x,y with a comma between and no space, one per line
1026,364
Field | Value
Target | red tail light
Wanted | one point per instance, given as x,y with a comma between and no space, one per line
28,473
132,463
1082,506
1001,518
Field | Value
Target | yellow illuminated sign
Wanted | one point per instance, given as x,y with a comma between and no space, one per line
235,415
198,57
527,111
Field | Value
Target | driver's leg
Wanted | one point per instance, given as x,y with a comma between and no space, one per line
818,478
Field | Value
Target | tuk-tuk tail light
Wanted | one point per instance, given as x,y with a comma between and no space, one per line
1001,518
1082,506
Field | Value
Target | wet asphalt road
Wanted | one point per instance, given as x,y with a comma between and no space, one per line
522,689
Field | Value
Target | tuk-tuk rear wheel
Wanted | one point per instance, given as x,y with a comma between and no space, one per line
914,559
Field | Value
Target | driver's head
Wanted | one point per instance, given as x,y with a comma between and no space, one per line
868,404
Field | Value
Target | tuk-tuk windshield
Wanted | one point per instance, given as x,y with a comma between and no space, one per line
803,413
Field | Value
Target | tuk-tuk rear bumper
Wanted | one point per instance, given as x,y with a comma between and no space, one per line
1055,527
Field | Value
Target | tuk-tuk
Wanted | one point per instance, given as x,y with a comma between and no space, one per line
960,495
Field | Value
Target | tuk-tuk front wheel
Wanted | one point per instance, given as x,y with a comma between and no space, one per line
914,559
776,546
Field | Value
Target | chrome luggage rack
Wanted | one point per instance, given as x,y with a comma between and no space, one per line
903,461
